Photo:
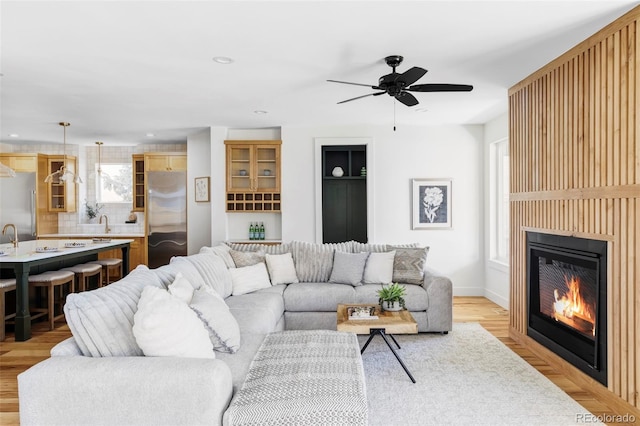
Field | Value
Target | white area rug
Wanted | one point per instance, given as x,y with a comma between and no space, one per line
467,377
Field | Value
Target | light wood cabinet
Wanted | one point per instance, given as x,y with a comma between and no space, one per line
61,195
138,182
253,176
165,162
20,162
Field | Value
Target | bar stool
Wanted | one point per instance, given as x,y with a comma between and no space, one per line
108,266
50,280
5,286
83,273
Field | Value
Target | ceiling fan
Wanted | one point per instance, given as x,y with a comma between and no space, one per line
399,85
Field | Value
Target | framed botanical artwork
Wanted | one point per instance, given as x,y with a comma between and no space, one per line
431,204
202,189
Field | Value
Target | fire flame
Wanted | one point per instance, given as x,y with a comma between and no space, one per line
572,309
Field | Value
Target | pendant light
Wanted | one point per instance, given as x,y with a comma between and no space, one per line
99,157
63,173
6,171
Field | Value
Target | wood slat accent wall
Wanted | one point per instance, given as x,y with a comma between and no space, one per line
575,170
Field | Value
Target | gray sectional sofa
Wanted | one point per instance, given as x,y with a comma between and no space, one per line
101,376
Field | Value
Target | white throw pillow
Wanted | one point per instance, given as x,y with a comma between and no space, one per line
249,278
181,288
379,268
224,331
165,326
281,268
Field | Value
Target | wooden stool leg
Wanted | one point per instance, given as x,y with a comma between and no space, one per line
50,298
2,308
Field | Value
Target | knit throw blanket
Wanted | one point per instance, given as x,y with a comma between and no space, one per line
303,378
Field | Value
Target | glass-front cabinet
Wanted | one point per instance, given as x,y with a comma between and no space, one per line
138,182
253,176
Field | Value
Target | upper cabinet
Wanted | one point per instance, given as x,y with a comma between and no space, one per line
20,162
61,195
138,182
165,162
253,176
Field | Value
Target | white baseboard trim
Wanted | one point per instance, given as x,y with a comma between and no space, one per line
497,298
468,291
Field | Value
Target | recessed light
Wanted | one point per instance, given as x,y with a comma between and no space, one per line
150,135
14,135
259,111
223,60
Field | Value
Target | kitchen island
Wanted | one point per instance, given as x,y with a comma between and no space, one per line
25,260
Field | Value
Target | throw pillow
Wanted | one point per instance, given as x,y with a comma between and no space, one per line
281,268
181,288
101,320
246,258
165,326
348,268
222,326
408,265
249,279
222,250
314,261
213,271
379,268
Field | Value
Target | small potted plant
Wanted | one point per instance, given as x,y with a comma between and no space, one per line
391,297
92,210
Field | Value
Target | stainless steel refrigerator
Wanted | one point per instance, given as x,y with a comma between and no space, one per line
166,216
18,206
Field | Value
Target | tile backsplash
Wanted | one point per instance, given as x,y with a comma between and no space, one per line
118,213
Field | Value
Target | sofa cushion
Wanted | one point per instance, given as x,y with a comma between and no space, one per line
165,326
408,265
379,268
314,262
246,258
222,251
249,279
281,268
348,268
415,300
267,248
101,320
188,269
221,325
213,271
258,312
319,297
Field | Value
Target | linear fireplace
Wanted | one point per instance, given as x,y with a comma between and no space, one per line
567,299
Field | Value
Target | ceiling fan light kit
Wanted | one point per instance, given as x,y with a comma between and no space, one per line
399,85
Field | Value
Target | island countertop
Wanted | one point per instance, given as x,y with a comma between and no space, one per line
91,235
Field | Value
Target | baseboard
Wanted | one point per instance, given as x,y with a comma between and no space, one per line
497,298
468,291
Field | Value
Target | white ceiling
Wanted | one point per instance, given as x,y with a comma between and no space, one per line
120,70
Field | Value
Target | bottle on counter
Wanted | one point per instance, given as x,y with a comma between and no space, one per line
251,231
261,230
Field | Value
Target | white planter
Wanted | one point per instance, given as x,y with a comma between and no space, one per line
387,306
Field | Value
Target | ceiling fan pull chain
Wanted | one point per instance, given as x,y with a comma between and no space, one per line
394,116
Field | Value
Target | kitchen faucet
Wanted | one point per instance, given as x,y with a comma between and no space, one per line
15,233
106,223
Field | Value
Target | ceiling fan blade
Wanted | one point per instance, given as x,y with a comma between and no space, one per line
411,76
360,97
437,87
407,98
355,84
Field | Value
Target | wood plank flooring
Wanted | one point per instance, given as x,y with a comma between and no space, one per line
16,357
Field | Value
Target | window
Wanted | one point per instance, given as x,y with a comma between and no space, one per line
499,198
113,183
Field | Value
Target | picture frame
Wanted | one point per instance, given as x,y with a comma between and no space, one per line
431,204
202,189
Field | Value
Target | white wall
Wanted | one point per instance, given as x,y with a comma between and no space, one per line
411,152
496,275
198,214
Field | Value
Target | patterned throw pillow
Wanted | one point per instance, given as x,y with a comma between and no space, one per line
408,264
224,331
246,258
348,268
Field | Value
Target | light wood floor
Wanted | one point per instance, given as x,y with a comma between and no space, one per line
16,357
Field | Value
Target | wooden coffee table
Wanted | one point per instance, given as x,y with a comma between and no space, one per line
387,324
